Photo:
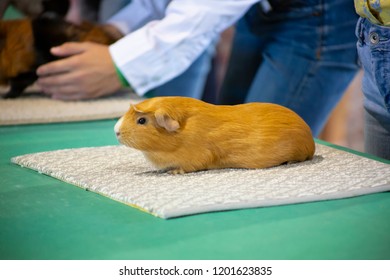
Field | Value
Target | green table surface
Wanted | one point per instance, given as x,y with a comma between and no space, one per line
44,218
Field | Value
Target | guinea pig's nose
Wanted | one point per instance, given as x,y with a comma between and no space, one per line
117,128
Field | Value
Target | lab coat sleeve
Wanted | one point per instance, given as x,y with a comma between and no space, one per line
137,13
163,49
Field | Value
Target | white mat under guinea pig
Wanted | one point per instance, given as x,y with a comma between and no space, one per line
33,107
124,175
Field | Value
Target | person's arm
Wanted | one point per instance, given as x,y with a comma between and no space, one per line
86,72
163,49
147,58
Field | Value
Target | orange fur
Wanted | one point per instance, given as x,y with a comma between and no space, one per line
206,136
16,48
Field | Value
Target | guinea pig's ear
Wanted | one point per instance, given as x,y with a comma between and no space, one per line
166,121
135,108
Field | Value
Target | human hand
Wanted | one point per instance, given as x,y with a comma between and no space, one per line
87,71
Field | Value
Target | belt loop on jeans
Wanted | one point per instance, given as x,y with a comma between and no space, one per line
360,29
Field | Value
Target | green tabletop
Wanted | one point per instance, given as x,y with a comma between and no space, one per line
44,218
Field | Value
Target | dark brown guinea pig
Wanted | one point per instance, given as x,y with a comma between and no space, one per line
182,134
25,45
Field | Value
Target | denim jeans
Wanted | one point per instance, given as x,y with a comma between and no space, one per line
301,55
374,51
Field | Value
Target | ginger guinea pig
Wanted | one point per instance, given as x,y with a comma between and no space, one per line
181,134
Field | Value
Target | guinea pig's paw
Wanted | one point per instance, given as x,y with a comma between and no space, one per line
176,171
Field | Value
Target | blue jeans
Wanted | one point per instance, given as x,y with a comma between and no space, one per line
301,55
374,51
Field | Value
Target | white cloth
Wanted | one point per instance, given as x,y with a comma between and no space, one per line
137,13
124,175
167,45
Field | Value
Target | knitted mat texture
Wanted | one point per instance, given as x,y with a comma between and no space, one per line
33,107
123,174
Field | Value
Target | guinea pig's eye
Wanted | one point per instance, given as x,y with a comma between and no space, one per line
141,121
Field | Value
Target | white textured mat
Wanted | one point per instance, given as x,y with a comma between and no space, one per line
124,175
33,107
